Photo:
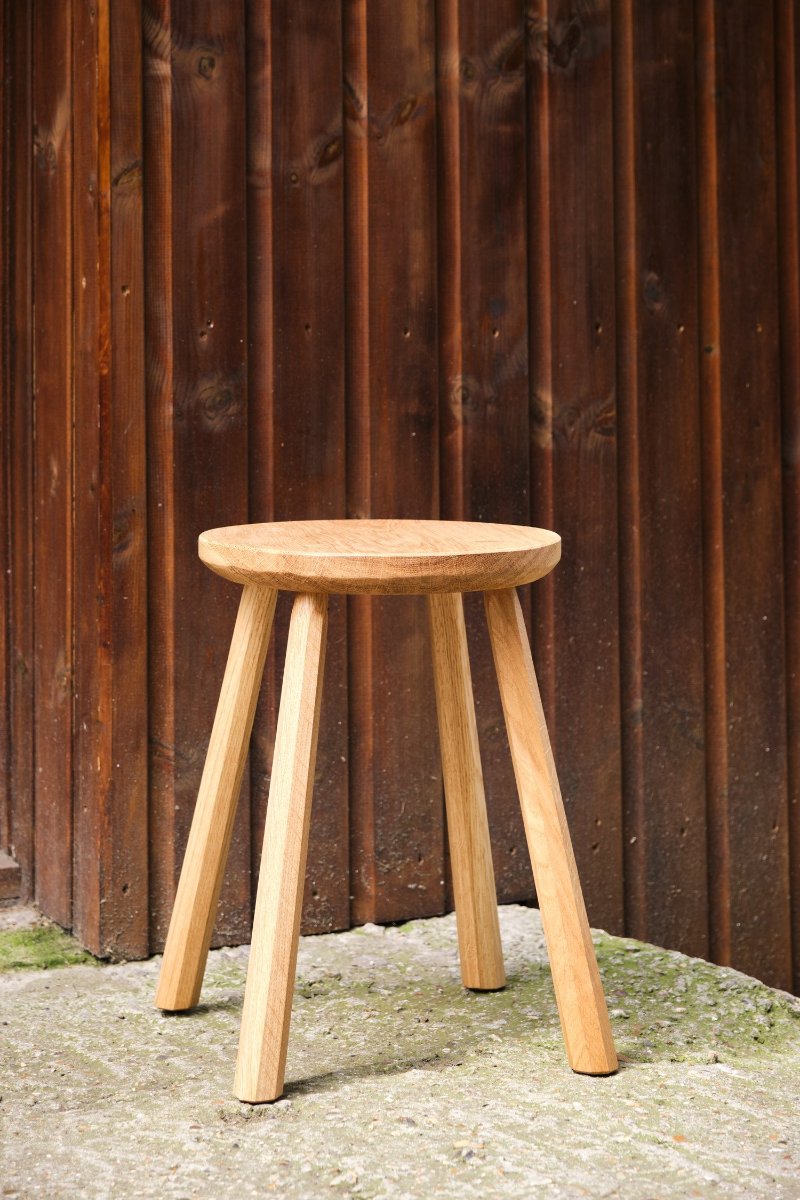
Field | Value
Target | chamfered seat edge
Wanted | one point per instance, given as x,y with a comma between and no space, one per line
380,557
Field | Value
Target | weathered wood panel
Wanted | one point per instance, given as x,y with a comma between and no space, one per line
5,419
195,171
663,715
532,261
18,385
159,379
787,40
110,910
125,890
750,837
52,353
91,517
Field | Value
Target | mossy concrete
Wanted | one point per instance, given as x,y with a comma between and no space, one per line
400,1083
42,947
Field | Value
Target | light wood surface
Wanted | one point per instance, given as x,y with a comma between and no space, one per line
209,839
579,992
479,943
276,927
381,556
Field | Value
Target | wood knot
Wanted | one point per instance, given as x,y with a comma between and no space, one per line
206,65
653,292
405,110
216,403
129,177
507,55
468,71
562,49
354,105
45,155
122,532
605,418
330,151
219,405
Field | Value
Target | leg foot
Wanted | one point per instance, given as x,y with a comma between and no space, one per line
276,927
196,901
579,992
480,950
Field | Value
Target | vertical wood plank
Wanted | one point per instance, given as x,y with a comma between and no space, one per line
713,564
662,675
787,47
198,400
5,444
749,831
390,159
673,850
163,852
126,898
93,645
110,735
19,480
5,414
52,272
483,338
574,426
308,405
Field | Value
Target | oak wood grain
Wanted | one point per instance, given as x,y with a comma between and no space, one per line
381,557
579,992
276,928
200,882
479,943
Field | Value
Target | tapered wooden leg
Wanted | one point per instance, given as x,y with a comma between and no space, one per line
579,993
479,944
209,839
276,926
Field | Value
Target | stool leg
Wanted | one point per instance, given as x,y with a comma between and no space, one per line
276,926
479,944
196,901
579,992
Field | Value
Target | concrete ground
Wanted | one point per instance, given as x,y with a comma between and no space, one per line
399,1083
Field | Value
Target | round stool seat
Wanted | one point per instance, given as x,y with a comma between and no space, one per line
383,557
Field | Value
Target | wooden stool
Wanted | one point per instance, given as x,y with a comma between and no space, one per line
440,559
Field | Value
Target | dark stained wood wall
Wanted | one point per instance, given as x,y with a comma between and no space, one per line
535,263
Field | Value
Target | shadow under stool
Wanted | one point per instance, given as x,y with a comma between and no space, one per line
439,559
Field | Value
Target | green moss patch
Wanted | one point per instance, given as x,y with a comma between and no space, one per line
41,948
666,1006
